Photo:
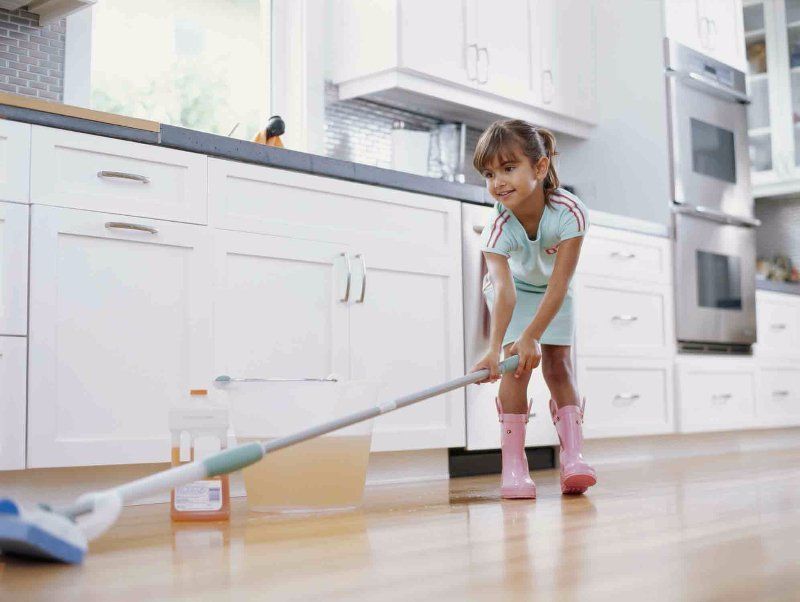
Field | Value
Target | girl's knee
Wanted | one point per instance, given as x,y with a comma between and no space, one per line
557,369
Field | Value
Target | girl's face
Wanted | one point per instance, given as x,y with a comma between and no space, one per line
512,180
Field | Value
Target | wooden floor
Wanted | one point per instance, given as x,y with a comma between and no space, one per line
719,528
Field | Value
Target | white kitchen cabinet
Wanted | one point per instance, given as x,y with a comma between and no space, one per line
777,325
453,59
71,169
407,331
772,37
15,151
778,402
628,256
120,314
716,393
13,358
626,399
13,269
623,319
713,27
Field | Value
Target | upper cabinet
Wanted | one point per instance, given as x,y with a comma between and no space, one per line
772,36
713,27
471,61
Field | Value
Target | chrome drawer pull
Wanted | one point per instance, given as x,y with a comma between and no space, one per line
782,393
363,279
127,226
623,255
225,379
778,326
721,398
477,229
625,318
349,278
121,175
624,399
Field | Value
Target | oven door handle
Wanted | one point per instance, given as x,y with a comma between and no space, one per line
718,216
711,86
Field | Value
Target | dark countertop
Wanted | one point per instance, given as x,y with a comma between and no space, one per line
778,287
250,152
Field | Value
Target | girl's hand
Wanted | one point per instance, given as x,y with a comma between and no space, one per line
491,361
529,351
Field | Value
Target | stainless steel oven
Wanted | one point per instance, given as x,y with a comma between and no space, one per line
713,204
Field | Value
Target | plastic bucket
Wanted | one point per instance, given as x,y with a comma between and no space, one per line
326,473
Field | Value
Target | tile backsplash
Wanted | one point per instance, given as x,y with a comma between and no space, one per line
361,131
31,57
779,233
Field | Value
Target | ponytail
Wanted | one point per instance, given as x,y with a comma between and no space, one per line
551,181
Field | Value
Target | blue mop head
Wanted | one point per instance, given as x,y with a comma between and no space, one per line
40,534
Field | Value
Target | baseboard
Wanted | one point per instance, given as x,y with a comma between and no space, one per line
465,463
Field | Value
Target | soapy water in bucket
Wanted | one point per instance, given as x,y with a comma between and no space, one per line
320,475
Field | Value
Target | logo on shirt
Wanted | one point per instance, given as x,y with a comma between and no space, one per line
552,250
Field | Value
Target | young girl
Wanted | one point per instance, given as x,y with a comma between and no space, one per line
531,245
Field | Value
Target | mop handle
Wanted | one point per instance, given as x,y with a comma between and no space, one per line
238,457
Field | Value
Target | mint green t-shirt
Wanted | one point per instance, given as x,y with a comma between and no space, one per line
532,260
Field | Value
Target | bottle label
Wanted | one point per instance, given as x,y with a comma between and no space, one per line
200,495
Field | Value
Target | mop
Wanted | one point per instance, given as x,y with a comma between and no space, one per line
44,533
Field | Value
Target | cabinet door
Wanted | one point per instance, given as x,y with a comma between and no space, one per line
566,31
437,39
13,269
408,333
12,402
725,32
778,395
280,307
120,312
505,48
15,161
684,23
777,325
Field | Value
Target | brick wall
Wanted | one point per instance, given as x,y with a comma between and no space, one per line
31,57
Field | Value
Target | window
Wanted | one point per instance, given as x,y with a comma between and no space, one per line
199,64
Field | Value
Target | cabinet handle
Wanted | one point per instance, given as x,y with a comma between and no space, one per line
127,226
720,398
363,278
712,38
778,326
624,318
547,77
782,393
477,229
486,54
123,176
349,278
621,255
472,78
224,379
624,399
701,31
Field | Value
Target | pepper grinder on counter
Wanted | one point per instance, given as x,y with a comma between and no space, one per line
271,135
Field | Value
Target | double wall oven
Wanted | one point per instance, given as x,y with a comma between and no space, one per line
713,219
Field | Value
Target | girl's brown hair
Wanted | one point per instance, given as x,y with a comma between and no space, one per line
500,139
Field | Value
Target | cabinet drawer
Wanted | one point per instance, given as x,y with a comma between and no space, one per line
69,169
13,269
715,395
778,324
13,361
625,256
778,396
15,156
626,397
252,198
631,320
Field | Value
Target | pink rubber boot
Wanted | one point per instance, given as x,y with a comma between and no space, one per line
516,480
576,475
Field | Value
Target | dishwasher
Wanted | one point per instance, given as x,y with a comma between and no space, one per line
483,430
